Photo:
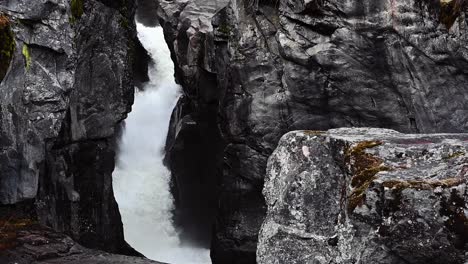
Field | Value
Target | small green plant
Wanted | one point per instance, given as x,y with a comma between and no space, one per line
124,23
77,10
224,28
27,56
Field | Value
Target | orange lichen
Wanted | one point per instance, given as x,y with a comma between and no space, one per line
9,231
422,184
4,21
313,132
450,10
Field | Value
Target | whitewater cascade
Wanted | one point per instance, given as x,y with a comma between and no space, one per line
140,180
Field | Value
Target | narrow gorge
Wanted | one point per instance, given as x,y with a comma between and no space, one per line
141,181
234,131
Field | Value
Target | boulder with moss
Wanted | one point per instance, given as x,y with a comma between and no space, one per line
366,196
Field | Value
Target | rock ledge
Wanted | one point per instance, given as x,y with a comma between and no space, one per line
366,195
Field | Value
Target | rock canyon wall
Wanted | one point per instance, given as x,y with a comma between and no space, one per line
253,70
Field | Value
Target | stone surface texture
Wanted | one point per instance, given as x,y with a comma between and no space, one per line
261,68
68,87
40,245
366,196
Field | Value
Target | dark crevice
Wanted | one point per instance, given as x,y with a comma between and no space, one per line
7,45
145,12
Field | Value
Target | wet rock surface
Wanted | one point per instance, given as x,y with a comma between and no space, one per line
263,68
69,85
367,195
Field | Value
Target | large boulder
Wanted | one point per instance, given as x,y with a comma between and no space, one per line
368,196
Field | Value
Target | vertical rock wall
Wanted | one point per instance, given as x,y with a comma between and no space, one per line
269,67
68,87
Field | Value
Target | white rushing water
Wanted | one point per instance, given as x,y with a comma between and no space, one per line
141,182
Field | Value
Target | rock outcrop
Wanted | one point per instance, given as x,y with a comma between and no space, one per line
253,70
367,196
65,92
39,245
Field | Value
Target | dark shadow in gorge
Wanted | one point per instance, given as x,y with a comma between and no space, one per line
194,154
146,12
194,158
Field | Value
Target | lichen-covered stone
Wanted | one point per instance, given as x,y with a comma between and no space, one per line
77,9
415,211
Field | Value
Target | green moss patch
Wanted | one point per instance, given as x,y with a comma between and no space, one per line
27,56
7,45
422,184
224,28
454,155
77,10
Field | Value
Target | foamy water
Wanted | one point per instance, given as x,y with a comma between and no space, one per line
141,182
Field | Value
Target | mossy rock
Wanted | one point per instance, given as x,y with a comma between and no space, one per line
27,56
224,28
7,45
77,10
422,184
364,168
450,10
124,23
454,155
9,231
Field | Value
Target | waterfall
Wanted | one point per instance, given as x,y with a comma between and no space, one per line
141,181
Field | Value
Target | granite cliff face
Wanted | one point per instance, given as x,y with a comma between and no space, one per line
254,70
367,196
69,83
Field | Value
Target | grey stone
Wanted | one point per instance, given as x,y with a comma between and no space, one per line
368,196
68,88
264,68
43,246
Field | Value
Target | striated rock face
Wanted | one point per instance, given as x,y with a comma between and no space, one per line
194,144
368,196
68,86
261,68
